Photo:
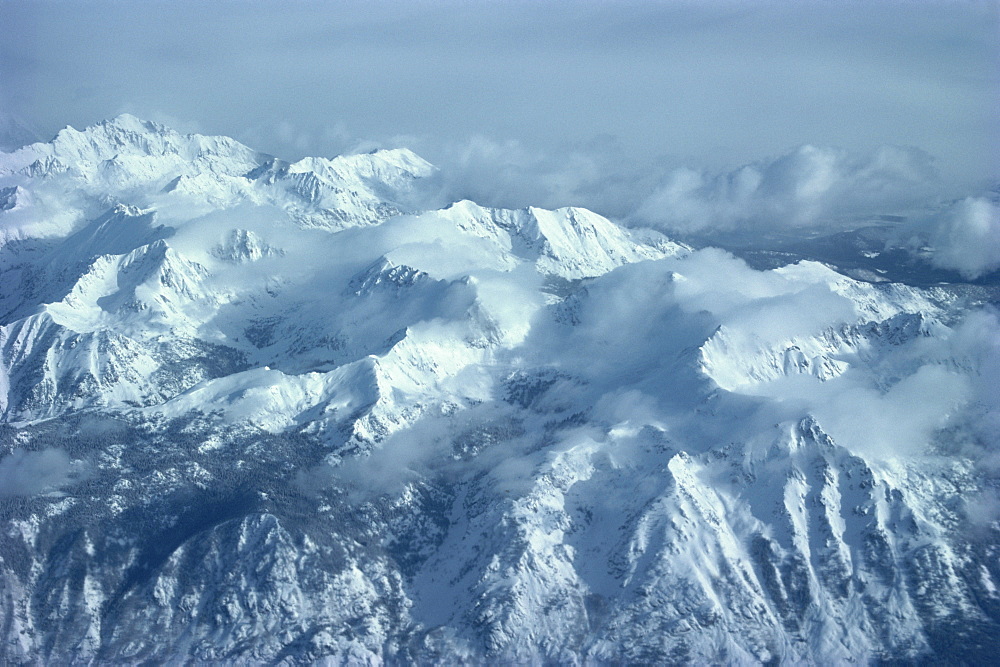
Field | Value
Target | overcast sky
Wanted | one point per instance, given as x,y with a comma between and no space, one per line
620,86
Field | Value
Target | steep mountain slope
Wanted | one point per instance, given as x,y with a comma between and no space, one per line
261,411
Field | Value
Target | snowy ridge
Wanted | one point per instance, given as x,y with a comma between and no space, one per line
279,412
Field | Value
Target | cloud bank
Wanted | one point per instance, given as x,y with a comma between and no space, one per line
809,187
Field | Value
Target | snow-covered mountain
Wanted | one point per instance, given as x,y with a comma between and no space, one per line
260,411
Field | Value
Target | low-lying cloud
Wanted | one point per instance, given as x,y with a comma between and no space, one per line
966,238
808,187
24,473
961,236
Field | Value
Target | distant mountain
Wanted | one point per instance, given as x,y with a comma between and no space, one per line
261,411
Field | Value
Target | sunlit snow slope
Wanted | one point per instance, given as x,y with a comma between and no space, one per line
262,411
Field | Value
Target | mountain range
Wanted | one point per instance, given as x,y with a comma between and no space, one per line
266,411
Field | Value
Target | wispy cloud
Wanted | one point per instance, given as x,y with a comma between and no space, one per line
24,473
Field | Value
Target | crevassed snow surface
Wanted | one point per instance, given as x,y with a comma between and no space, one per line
262,412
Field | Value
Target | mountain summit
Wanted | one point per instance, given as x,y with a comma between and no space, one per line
256,410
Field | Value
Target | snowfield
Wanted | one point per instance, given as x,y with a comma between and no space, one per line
260,411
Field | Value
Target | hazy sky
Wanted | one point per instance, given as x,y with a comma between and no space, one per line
616,85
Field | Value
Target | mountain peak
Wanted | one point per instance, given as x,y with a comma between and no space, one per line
120,131
402,157
129,123
383,164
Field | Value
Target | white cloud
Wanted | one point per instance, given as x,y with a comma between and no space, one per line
809,187
510,173
899,421
975,348
967,238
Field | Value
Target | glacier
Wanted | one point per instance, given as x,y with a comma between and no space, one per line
261,411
